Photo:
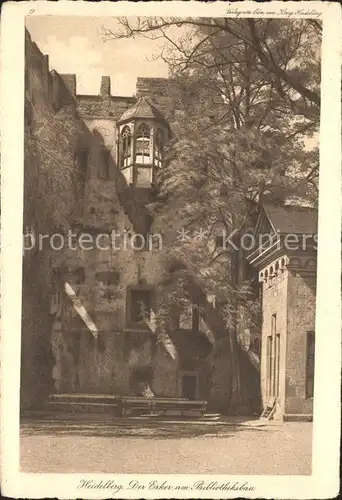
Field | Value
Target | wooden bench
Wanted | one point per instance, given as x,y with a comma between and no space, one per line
182,407
83,403
162,405
135,403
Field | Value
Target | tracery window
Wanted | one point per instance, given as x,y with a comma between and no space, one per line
126,141
142,144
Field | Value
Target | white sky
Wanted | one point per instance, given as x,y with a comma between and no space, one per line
74,45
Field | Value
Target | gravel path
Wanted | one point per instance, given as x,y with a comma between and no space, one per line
166,448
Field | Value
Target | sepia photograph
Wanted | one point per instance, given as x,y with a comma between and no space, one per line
171,170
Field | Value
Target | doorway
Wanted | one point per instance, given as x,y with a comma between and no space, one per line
189,385
141,381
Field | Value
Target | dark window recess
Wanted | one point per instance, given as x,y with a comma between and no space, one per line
219,242
101,344
92,210
141,303
108,278
79,275
310,364
141,380
195,318
82,160
249,273
269,365
189,386
104,161
255,346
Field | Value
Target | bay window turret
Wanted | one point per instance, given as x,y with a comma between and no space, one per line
142,135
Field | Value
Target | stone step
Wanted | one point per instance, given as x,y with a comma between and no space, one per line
212,416
83,403
91,398
81,407
63,418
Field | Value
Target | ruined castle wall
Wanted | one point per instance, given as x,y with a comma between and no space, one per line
37,78
104,364
51,137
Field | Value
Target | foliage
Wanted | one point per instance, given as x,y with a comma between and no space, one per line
284,53
53,182
262,74
52,175
243,105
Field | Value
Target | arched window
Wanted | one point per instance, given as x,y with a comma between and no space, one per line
159,148
142,145
126,141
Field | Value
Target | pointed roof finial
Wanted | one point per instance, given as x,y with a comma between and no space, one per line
143,109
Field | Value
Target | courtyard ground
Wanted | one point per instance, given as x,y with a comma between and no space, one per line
147,446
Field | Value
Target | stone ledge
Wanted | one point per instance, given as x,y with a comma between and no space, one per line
297,417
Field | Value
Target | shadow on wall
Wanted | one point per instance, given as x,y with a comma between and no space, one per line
250,386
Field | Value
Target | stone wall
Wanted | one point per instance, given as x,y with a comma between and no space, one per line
36,354
301,320
99,107
274,301
291,296
54,138
37,80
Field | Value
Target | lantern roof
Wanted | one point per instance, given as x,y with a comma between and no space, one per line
143,109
